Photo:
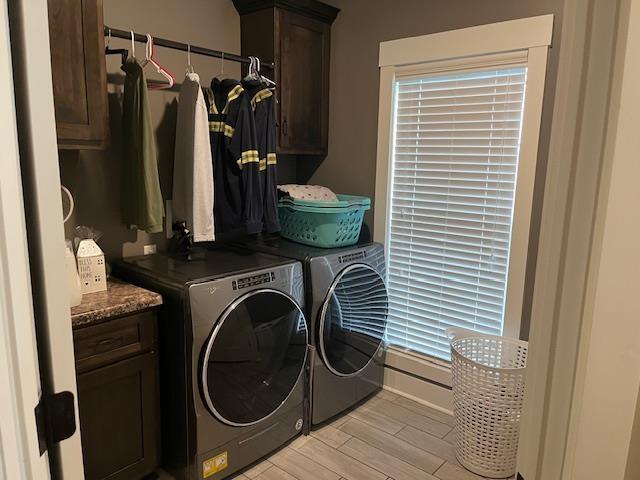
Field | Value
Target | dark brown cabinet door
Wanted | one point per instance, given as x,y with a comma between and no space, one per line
297,37
304,84
118,419
78,73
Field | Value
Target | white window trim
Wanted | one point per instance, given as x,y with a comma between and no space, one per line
529,39
521,34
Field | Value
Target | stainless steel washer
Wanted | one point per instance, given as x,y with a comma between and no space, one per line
233,349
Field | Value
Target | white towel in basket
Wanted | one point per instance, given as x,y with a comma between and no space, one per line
308,192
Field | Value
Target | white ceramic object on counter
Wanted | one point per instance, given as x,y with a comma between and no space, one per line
91,267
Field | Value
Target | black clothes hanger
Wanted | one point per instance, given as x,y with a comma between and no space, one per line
123,52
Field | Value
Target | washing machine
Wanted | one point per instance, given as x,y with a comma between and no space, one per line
233,347
347,307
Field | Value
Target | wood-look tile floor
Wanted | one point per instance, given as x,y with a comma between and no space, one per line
387,438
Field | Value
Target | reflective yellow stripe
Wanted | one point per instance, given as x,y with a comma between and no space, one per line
261,95
270,160
216,126
222,127
232,95
235,93
250,156
212,102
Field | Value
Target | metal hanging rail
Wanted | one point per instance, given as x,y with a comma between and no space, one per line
162,42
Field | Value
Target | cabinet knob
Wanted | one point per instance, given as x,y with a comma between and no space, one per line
285,128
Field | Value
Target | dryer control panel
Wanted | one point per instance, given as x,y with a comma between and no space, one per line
353,257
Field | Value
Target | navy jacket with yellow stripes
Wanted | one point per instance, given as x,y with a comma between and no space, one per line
238,194
263,104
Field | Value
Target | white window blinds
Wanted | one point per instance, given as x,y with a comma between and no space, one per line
455,160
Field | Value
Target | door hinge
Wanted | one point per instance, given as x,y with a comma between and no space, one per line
55,419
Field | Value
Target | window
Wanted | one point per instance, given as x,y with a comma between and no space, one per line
456,163
453,179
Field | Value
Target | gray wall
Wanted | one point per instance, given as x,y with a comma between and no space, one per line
353,116
94,176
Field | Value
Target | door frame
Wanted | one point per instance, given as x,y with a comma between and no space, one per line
579,167
605,397
37,142
19,371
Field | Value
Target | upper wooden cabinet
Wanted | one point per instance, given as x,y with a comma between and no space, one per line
79,73
296,35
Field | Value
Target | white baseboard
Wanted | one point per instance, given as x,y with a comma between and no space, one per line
423,366
421,391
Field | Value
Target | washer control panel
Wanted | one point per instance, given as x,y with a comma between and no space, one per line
253,280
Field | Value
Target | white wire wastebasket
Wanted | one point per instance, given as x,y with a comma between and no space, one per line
489,374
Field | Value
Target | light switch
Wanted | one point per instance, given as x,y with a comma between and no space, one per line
149,249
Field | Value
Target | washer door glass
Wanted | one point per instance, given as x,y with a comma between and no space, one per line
353,319
254,357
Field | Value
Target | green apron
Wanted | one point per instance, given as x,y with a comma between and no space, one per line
142,205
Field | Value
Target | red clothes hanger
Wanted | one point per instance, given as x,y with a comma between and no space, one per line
150,58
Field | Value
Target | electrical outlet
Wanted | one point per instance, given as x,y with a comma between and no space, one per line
149,249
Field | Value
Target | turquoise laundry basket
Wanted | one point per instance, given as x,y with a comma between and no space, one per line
321,223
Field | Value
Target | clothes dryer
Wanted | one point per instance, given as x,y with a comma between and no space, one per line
347,306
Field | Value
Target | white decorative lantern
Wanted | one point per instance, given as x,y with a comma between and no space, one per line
91,267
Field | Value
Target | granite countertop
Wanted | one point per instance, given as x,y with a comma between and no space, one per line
119,299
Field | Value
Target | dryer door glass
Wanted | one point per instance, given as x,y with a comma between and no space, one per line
353,320
254,357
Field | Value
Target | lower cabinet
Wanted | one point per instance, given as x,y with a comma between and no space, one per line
118,397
